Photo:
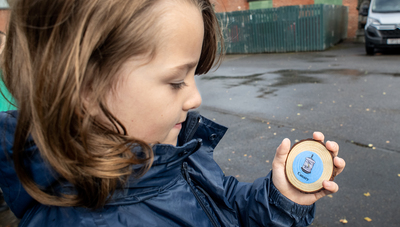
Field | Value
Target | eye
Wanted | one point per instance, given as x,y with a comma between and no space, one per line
177,86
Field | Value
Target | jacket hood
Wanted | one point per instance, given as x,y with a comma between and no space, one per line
14,194
166,167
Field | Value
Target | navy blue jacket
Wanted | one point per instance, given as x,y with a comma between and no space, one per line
184,187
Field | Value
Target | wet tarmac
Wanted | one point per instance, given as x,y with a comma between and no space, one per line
351,97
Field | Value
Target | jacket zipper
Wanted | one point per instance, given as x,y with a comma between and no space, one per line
188,180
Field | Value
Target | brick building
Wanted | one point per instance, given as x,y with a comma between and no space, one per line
235,5
4,15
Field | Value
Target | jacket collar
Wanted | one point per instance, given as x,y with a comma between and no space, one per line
168,159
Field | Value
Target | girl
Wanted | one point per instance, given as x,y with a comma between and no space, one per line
103,135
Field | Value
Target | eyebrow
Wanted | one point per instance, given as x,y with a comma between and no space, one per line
188,65
176,70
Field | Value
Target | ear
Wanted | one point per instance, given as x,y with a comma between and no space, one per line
90,103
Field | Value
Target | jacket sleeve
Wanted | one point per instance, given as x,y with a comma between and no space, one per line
256,204
261,204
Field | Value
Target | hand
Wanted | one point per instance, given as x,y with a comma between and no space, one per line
282,184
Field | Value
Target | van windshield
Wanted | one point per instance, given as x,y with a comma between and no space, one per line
385,6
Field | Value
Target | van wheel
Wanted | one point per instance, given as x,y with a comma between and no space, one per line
369,50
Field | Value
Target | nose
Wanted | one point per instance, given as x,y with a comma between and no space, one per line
193,99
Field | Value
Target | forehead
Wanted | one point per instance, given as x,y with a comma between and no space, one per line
179,26
178,42
171,15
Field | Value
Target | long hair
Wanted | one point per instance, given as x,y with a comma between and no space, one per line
61,59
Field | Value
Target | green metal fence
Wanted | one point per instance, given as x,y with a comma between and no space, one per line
333,2
260,5
284,29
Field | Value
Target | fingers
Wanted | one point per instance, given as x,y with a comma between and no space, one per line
281,153
330,188
339,164
284,148
333,147
318,136
330,145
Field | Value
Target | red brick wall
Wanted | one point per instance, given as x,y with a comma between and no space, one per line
230,5
278,3
4,16
353,17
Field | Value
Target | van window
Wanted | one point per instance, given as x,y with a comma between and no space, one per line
385,6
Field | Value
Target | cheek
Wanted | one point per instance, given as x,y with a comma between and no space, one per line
154,132
153,123
148,112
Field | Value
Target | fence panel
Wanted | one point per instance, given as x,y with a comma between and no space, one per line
284,29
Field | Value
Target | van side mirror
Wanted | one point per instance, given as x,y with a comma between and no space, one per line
364,10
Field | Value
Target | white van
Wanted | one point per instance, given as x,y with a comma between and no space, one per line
383,25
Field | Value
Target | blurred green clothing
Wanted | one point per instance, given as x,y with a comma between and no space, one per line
4,104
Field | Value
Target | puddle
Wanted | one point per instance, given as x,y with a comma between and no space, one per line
243,80
264,92
249,77
285,78
343,72
290,77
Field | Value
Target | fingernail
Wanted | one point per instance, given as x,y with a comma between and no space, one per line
284,140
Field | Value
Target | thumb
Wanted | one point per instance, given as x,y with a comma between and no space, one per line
281,153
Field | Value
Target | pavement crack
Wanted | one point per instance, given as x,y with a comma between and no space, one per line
369,146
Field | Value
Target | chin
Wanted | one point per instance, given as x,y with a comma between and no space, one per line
173,140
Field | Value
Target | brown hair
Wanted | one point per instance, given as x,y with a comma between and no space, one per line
61,53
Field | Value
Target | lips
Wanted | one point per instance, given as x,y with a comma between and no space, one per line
178,126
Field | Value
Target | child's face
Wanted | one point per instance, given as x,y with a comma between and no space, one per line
152,98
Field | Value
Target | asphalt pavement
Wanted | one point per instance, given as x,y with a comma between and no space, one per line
350,97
